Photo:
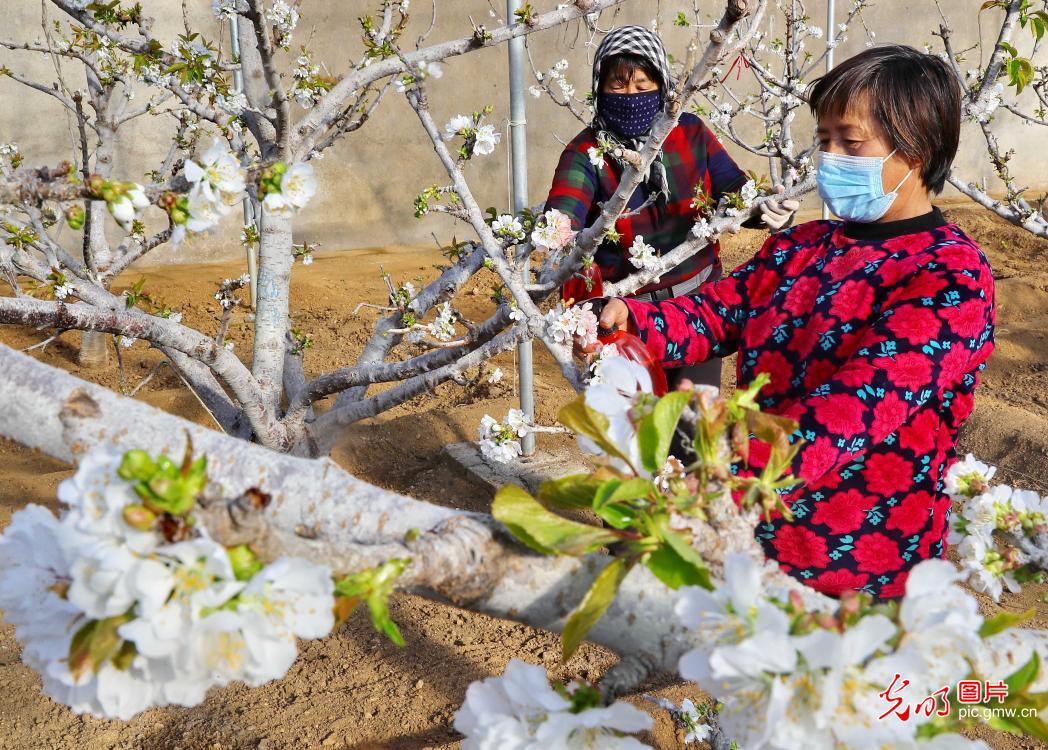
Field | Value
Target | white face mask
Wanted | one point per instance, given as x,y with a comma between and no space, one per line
853,186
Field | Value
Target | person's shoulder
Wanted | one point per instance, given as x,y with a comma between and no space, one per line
952,245
807,233
692,122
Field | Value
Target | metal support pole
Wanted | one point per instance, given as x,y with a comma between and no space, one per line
831,22
249,207
519,156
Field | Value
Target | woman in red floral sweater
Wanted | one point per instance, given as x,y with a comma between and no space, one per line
873,329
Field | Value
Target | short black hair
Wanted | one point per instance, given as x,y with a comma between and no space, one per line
915,97
622,67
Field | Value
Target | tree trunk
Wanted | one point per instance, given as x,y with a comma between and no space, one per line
271,312
94,349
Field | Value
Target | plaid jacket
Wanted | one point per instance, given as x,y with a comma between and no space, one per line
692,155
873,343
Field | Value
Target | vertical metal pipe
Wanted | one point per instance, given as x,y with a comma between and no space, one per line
519,156
831,22
249,207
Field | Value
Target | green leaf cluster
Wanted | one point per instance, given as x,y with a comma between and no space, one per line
163,485
372,587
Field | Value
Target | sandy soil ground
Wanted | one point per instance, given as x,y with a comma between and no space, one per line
356,690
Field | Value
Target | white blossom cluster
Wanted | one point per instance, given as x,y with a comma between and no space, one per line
520,710
555,77
226,294
508,227
642,255
688,716
553,231
565,323
284,18
500,441
425,70
821,689
485,137
443,328
63,290
749,193
127,207
985,510
217,184
298,185
596,157
9,155
984,107
164,622
306,89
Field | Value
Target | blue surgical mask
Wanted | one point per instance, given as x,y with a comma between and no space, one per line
630,115
853,188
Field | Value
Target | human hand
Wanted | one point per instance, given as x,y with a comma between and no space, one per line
777,211
614,316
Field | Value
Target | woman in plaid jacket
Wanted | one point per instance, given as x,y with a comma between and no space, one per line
630,75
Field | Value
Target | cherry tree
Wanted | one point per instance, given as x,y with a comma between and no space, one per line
993,95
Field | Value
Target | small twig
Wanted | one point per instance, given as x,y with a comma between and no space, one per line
42,345
147,378
120,364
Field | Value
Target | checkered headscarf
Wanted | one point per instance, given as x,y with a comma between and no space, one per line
634,40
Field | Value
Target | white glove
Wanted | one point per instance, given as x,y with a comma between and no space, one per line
776,211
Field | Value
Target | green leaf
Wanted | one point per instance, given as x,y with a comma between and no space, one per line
372,586
1038,28
544,531
582,420
1003,621
605,491
1009,49
656,430
572,491
1021,678
1020,73
618,516
616,490
593,605
95,643
676,563
632,489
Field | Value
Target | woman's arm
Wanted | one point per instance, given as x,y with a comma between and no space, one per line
725,176
693,328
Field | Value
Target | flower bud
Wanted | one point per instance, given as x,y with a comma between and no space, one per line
139,517
75,217
849,603
244,561
136,464
828,621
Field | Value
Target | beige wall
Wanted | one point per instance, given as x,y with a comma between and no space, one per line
369,179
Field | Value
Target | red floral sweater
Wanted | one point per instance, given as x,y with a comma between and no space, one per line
873,336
